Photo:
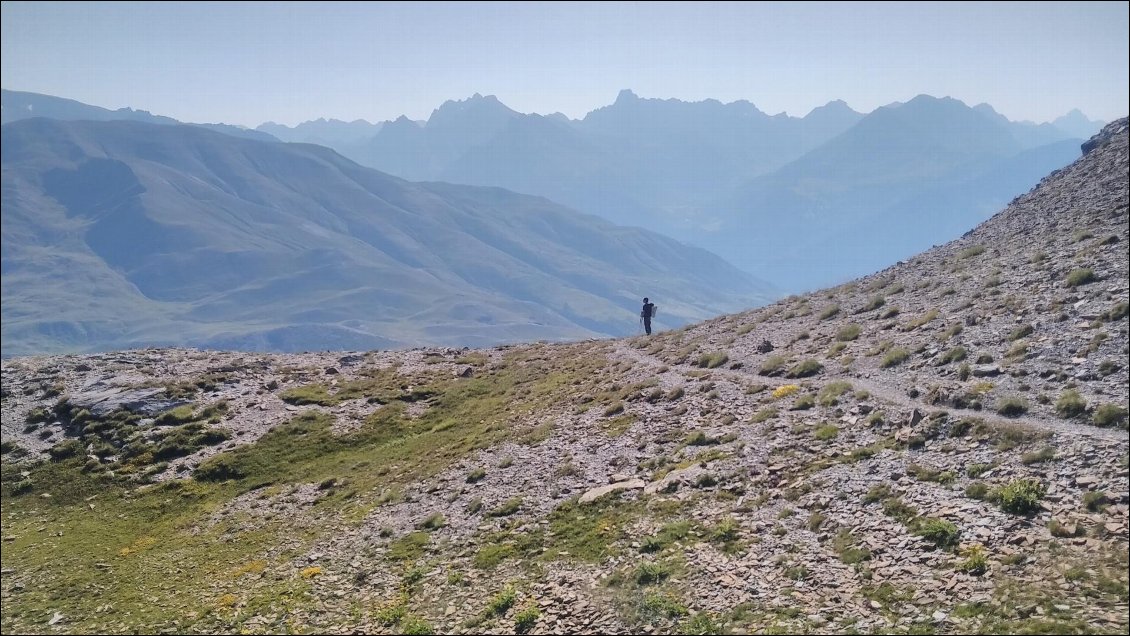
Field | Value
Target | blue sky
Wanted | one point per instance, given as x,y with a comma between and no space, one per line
246,63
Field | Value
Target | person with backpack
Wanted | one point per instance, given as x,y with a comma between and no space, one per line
646,313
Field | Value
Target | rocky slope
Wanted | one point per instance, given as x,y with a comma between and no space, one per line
940,447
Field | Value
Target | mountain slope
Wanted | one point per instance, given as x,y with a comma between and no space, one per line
938,447
17,105
191,237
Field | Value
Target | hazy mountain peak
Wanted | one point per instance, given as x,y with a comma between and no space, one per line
625,96
476,107
1077,124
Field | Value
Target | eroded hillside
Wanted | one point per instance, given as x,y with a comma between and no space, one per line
939,447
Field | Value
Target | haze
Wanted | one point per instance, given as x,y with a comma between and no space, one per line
247,63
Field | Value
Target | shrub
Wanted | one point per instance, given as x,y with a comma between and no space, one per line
675,394
1109,415
649,572
66,449
476,475
1012,407
805,369
412,625
1020,332
1020,496
726,531
1080,276
894,357
501,602
976,561
784,390
940,532
663,606
525,620
848,333
1070,404
874,303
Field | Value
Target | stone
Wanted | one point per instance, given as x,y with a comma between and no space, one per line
597,493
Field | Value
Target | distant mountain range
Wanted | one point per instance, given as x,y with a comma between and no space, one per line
776,195
123,233
16,105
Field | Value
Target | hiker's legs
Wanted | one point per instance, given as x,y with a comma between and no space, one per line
647,325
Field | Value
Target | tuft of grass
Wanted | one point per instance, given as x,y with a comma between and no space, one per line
826,433
894,357
804,369
772,365
978,490
476,475
1020,332
921,320
874,303
1109,415
848,332
434,521
829,312
1080,276
1045,454
713,360
508,507
763,415
490,555
1070,404
830,394
957,354
970,252
1012,406
1095,501
614,409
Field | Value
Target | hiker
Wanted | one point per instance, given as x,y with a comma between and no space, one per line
646,313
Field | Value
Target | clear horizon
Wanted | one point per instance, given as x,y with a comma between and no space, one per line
250,63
